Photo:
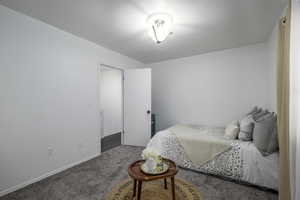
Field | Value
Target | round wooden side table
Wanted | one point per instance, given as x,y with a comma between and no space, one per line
135,172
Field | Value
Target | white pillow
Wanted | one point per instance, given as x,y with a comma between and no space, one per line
232,130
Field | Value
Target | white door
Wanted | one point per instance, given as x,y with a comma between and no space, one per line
137,106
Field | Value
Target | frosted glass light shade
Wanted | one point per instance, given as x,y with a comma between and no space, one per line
159,26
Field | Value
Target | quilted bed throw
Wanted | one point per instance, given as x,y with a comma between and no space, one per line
201,145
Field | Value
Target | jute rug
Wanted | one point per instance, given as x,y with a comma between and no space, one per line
154,190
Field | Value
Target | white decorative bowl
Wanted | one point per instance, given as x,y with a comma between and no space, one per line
155,171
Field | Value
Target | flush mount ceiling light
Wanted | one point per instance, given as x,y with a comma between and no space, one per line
159,26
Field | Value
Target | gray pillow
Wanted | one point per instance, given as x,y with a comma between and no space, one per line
262,113
247,124
264,117
274,145
255,109
265,135
246,132
246,128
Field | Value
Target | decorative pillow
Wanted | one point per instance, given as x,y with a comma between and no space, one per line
246,130
265,135
262,113
247,124
254,110
264,117
257,112
274,145
232,130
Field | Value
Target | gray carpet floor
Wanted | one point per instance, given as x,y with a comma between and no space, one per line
95,178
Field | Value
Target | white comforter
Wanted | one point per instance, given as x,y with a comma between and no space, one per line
257,169
243,162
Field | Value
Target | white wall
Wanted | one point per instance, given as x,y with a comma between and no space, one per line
295,92
212,88
48,99
111,101
272,50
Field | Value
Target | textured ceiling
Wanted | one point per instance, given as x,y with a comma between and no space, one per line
200,26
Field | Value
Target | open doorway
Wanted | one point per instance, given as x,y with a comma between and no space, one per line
111,106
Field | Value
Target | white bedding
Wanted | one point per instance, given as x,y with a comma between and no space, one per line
257,169
243,162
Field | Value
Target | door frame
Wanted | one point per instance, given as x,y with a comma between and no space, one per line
101,65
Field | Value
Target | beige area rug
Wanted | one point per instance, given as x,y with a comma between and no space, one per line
154,190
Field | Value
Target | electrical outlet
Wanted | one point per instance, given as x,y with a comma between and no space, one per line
50,151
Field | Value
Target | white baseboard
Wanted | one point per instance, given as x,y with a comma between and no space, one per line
34,180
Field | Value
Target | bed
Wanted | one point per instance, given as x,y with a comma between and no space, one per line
241,162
